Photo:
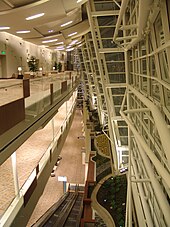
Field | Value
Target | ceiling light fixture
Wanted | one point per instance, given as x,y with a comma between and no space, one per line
60,48
50,31
67,23
70,49
4,28
59,43
73,42
79,1
22,32
74,33
49,41
35,16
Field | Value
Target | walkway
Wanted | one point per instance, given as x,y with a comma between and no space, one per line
70,166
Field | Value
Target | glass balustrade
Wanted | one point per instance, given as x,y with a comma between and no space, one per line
12,203
10,91
43,91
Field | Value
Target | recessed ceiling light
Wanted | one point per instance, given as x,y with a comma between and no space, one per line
69,22
60,48
74,33
70,49
4,28
50,31
22,32
35,16
59,43
73,42
49,41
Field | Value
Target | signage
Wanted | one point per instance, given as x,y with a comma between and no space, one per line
62,178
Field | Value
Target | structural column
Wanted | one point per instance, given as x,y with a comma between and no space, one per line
15,173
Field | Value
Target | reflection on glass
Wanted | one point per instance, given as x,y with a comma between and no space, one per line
10,91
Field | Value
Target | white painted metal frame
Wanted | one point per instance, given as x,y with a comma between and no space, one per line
141,31
148,118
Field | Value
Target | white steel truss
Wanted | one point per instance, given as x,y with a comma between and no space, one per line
129,49
111,72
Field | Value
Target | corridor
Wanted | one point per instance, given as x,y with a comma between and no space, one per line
70,166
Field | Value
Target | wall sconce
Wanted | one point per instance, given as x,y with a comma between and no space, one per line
53,67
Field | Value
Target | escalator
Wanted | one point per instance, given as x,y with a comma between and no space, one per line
66,212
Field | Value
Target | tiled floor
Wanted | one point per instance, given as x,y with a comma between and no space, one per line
70,166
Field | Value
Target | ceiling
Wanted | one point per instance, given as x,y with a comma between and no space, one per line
13,14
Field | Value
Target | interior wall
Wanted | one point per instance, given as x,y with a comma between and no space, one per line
19,51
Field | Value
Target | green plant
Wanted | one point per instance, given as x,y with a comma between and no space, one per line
55,65
113,204
33,64
121,223
59,66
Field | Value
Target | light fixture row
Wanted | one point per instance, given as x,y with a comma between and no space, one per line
32,18
45,41
54,40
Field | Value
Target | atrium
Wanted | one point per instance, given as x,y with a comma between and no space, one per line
101,67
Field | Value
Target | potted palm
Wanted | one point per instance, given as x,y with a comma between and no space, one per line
33,64
59,67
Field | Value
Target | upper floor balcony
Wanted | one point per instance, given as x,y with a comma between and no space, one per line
27,104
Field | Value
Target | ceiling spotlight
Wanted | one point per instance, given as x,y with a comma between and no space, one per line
35,16
69,22
79,1
4,28
22,32
74,33
49,41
